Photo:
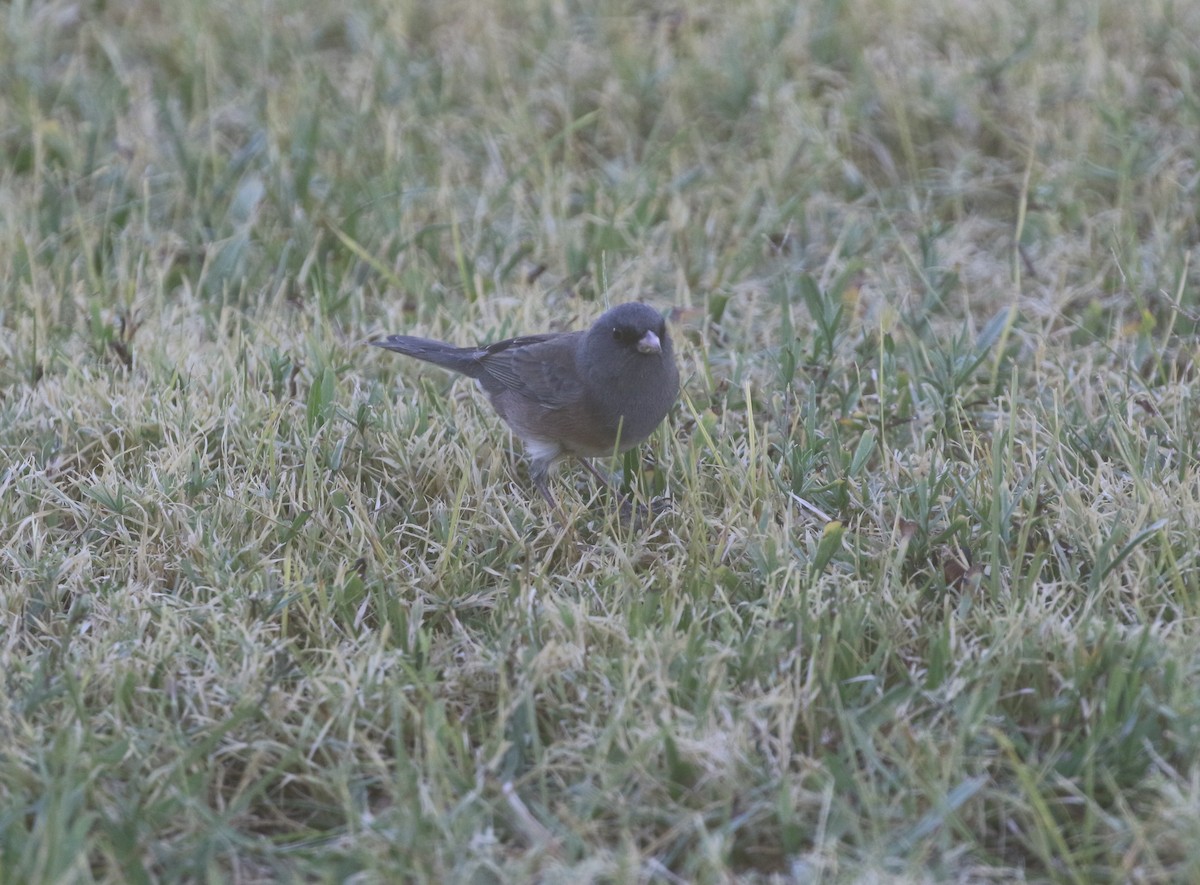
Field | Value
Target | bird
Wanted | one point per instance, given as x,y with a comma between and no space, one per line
582,394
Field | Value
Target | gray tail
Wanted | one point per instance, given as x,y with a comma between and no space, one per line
456,359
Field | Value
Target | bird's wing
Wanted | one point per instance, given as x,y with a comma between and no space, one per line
538,367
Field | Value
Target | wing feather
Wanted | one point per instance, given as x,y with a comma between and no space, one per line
540,368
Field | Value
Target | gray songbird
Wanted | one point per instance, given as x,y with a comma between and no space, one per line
582,394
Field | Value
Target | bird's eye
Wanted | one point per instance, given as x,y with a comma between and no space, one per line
625,334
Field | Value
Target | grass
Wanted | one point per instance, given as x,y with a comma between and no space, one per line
276,606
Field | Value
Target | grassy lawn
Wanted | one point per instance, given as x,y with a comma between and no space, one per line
279,606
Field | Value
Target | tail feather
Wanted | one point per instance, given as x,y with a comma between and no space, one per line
457,359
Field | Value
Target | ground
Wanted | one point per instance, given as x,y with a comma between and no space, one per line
920,599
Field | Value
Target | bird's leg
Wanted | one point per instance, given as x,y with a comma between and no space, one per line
628,508
625,503
539,472
604,480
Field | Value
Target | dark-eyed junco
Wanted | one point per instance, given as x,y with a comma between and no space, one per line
582,394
